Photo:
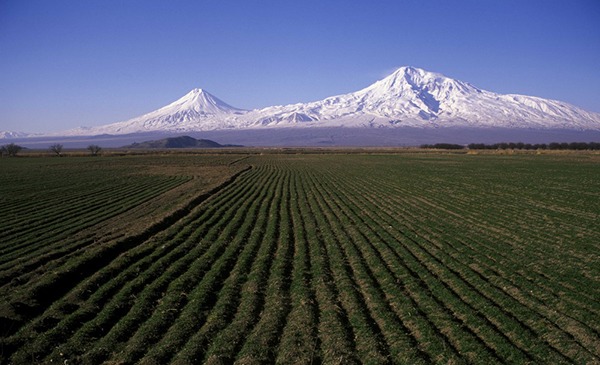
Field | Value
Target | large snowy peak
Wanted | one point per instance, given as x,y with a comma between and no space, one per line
413,91
408,93
414,97
442,100
410,83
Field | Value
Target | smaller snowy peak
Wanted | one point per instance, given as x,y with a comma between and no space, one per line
201,102
196,110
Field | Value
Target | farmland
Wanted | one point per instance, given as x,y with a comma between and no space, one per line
325,257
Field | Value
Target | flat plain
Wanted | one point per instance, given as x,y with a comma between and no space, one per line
301,256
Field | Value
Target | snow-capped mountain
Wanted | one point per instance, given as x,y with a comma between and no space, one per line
409,97
417,98
197,110
12,134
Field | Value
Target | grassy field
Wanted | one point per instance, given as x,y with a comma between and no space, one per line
322,257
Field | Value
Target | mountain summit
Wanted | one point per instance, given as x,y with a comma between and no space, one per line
414,97
202,103
409,97
413,88
196,110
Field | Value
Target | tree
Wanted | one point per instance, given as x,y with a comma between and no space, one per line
10,149
443,146
57,148
94,149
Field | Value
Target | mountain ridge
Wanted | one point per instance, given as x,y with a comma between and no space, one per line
409,97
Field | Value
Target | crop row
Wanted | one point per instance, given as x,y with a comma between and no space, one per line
61,241
494,229
132,265
54,223
576,334
54,208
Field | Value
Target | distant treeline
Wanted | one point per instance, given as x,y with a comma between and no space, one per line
517,146
444,146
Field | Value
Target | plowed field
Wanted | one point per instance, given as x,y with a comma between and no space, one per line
301,258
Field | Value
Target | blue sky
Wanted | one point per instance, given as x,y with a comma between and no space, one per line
74,63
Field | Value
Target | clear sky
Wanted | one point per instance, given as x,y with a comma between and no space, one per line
74,63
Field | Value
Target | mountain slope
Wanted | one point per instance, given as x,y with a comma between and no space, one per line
197,110
409,97
12,134
417,98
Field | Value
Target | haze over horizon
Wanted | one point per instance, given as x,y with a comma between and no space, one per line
73,64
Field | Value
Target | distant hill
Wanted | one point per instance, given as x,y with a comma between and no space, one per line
178,142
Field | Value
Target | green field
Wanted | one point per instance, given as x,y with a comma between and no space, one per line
322,257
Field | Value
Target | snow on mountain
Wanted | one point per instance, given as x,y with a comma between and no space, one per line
11,134
197,110
417,98
409,97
